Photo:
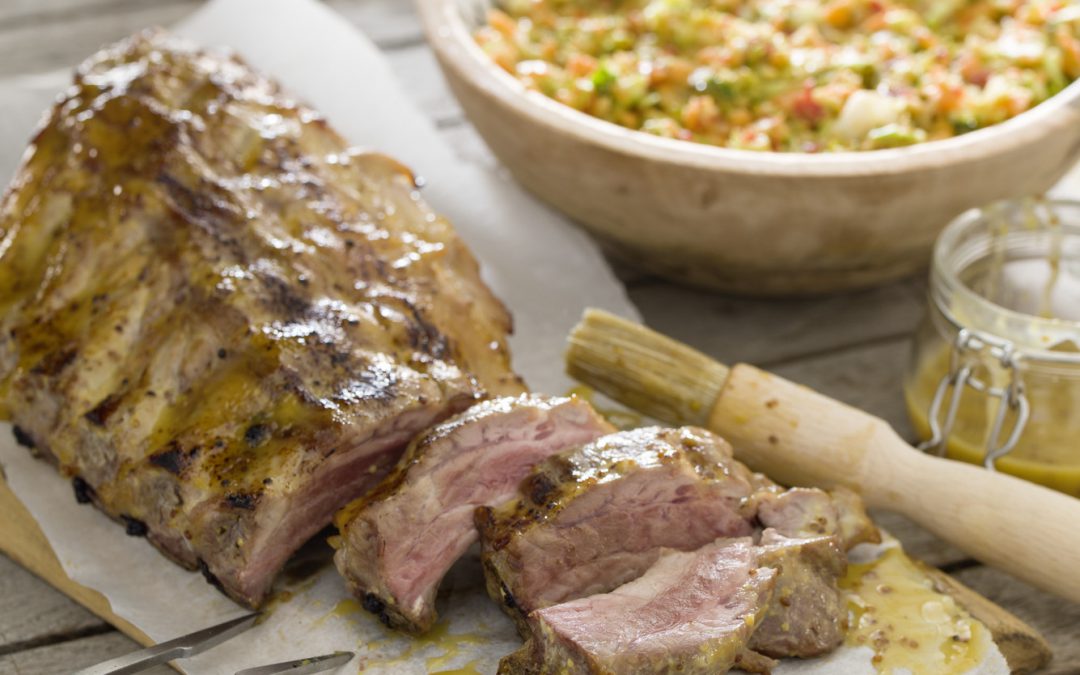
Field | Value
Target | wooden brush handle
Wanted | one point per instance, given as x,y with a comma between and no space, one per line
799,437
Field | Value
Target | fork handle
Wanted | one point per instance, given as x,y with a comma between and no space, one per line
800,437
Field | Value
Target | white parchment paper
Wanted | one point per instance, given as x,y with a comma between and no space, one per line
545,270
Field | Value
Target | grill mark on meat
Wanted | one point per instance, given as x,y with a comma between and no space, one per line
508,598
198,208
540,487
257,434
374,605
134,527
99,415
425,336
210,577
242,500
22,438
84,494
54,362
174,458
284,297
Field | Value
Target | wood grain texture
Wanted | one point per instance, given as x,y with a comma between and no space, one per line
1057,619
73,655
23,541
771,332
32,613
23,13
868,377
41,36
38,47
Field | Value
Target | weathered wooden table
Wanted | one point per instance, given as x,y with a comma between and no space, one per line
852,347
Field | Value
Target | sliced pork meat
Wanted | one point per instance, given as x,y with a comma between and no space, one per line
806,615
217,318
853,524
809,512
690,613
399,541
592,519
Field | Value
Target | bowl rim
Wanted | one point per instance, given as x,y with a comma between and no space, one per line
453,43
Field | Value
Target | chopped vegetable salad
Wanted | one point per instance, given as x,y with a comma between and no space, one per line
791,75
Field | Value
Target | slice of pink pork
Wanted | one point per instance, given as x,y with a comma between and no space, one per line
690,613
593,518
400,540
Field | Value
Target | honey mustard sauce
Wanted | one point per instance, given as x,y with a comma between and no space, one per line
439,648
1023,289
895,611
1047,452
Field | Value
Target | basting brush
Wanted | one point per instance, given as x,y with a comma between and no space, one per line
800,437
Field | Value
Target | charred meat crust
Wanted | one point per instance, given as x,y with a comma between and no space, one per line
221,318
373,604
84,494
173,458
133,526
22,438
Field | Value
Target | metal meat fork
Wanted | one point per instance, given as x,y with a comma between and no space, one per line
199,641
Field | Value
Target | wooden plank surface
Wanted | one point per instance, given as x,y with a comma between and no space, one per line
34,614
62,39
853,347
25,543
43,35
72,655
1057,620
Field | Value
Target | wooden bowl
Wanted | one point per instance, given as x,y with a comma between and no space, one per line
746,222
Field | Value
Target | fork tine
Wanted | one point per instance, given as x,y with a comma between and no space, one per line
314,664
201,640
178,648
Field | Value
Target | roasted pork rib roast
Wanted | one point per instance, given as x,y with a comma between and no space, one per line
217,318
399,541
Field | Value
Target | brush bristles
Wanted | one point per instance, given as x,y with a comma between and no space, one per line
644,370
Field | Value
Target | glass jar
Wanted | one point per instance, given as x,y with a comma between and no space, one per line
995,374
